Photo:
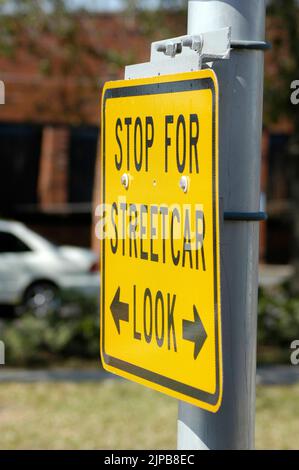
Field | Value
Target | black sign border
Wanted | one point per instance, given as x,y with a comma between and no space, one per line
156,89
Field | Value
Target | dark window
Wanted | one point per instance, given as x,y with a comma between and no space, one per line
9,243
19,165
83,151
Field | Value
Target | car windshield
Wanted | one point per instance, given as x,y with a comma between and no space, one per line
40,239
9,243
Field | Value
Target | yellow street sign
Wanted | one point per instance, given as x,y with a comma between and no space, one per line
159,224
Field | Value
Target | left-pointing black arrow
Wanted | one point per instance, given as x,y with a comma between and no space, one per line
119,310
195,332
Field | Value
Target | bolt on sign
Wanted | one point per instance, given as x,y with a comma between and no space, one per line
160,290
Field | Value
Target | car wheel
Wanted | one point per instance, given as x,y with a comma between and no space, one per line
41,299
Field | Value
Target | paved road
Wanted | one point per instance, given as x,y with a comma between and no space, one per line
53,375
270,375
278,375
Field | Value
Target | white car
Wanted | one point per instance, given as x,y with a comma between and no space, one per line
34,271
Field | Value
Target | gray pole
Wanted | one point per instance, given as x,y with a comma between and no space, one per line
240,124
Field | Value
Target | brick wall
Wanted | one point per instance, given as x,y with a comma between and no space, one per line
53,175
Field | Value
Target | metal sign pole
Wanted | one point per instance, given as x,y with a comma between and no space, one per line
240,124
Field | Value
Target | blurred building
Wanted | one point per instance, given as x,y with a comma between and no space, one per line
277,232
49,125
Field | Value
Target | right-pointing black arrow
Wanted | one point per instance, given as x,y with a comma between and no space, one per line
119,310
195,332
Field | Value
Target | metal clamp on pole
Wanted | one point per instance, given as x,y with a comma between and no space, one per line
251,45
245,216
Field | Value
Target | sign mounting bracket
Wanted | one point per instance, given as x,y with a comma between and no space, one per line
183,54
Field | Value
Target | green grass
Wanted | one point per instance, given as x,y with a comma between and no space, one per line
109,415
277,423
120,415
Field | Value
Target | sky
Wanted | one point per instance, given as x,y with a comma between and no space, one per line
99,5
114,5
